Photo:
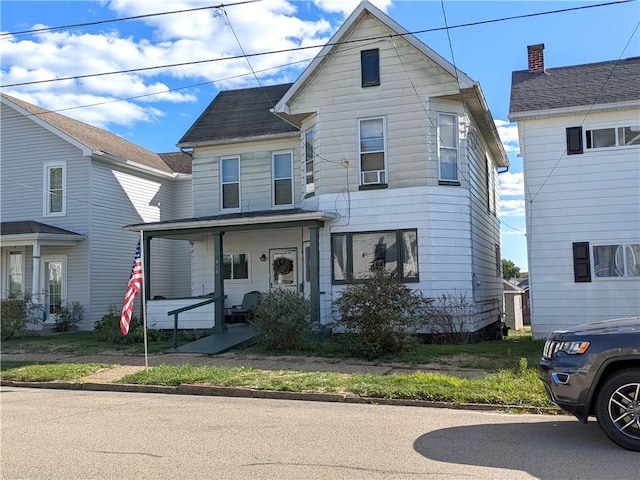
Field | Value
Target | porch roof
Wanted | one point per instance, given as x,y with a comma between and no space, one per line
190,228
28,232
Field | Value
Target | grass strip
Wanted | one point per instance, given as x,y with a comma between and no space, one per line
49,372
502,388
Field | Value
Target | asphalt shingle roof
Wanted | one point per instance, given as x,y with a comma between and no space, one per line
240,113
95,138
179,162
30,226
574,86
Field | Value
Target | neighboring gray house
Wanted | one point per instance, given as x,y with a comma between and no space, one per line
381,153
67,190
579,131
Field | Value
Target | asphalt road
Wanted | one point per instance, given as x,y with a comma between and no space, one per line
64,434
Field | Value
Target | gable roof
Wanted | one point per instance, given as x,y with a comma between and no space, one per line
179,162
239,115
470,90
97,141
587,85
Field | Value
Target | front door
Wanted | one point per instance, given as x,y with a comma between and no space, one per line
53,286
283,268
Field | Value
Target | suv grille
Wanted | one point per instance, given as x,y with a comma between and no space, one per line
550,348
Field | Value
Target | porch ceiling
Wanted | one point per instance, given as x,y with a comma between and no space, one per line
195,228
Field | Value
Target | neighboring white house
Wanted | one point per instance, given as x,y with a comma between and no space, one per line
381,153
67,190
579,131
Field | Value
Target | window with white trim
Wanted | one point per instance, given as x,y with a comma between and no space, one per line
282,172
308,154
230,182
356,255
235,266
448,152
613,137
55,180
617,260
371,132
15,272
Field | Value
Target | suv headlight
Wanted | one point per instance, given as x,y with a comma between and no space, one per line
574,348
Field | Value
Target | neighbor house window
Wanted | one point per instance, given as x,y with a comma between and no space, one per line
16,272
230,182
372,151
613,137
235,266
370,67
618,260
308,163
448,147
55,184
356,255
282,178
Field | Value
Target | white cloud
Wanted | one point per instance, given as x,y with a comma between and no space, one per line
511,184
509,135
347,6
511,208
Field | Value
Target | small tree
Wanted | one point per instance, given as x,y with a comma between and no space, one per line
283,318
381,312
509,269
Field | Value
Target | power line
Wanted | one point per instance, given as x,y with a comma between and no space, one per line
287,50
115,20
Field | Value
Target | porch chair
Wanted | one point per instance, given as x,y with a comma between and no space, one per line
245,311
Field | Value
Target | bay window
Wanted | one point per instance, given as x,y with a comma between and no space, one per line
448,147
372,151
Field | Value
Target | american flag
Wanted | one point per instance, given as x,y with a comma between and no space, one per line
133,289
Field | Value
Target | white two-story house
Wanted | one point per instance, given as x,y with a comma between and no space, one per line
579,131
67,190
380,153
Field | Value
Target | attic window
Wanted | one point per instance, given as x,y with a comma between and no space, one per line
370,67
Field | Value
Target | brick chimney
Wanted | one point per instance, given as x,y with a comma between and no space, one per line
535,55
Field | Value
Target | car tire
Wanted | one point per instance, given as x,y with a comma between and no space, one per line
618,408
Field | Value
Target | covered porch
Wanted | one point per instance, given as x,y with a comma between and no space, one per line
232,255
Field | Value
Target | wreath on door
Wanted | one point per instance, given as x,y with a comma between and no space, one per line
282,266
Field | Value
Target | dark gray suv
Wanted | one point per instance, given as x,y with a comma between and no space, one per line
594,369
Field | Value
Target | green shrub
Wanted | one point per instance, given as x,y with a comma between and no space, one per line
283,319
108,329
16,314
69,315
381,312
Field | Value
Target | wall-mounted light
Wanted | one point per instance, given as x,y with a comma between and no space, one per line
263,258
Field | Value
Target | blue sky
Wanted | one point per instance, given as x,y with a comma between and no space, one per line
170,100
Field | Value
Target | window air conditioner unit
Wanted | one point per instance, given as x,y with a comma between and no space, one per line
372,177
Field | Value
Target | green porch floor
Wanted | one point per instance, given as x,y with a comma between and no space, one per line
233,336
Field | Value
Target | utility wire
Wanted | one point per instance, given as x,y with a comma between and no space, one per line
115,20
287,50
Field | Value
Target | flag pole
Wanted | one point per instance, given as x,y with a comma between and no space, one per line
144,302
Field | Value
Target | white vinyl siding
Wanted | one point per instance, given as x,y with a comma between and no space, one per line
578,198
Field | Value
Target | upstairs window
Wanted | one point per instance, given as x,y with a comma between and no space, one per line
613,137
372,152
282,178
308,163
448,148
370,67
55,183
230,182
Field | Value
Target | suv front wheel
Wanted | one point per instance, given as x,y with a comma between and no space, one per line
618,408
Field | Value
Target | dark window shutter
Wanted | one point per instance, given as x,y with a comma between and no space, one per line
574,140
581,262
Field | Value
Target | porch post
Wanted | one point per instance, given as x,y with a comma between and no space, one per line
314,278
218,283
35,281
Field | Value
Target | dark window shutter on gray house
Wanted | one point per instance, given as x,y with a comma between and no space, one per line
581,262
574,140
